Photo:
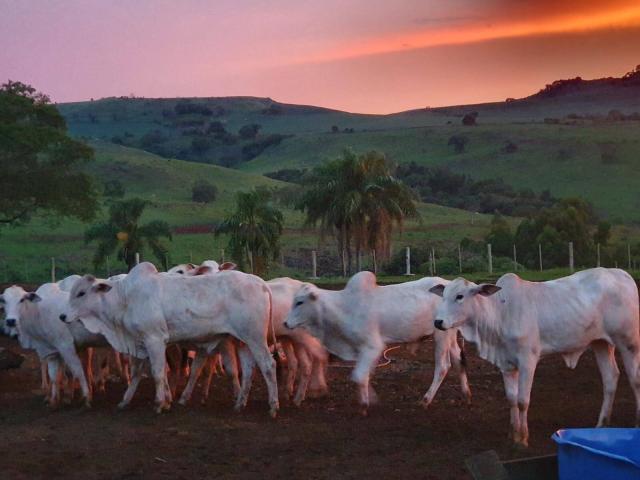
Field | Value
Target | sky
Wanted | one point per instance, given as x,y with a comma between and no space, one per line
369,56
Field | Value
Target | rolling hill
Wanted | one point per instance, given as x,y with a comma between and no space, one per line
26,250
574,137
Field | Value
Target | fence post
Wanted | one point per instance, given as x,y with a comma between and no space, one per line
571,257
515,259
53,270
540,255
431,271
433,259
490,258
597,255
408,261
344,263
359,261
314,265
190,257
629,255
460,258
137,258
375,264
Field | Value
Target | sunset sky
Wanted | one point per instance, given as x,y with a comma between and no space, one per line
372,56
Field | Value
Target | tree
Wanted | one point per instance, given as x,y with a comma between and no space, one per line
500,236
358,201
254,230
122,233
469,120
203,192
603,233
250,131
41,165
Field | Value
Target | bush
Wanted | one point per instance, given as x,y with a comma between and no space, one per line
469,120
249,131
186,107
203,192
254,149
459,143
113,189
200,145
152,138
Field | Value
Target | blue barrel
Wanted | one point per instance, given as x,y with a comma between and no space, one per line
598,453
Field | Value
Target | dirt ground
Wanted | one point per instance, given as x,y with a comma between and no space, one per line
325,438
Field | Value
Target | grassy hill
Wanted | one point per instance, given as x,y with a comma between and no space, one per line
566,140
26,251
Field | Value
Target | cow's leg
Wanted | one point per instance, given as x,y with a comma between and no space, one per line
75,367
304,373
510,379
229,356
525,383
122,367
318,385
44,381
158,362
267,366
442,364
456,355
361,373
195,371
247,365
137,367
55,377
89,367
630,352
605,356
292,366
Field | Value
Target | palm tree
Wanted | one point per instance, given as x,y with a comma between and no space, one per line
254,229
122,233
357,199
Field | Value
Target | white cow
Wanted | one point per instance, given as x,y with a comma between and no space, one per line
514,323
35,315
145,311
358,322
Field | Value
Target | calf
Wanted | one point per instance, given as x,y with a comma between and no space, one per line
358,322
145,311
514,323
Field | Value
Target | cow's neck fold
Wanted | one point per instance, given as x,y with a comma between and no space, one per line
484,329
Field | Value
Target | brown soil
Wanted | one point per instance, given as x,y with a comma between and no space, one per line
325,438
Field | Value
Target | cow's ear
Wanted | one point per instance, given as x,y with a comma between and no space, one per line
437,289
101,287
33,297
486,289
313,296
202,270
228,266
191,266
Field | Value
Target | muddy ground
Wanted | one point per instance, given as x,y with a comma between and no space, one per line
325,438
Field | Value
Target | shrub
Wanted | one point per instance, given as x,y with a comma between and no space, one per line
200,145
249,131
469,120
459,143
113,189
203,192
152,138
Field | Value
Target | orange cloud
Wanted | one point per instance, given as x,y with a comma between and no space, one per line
621,17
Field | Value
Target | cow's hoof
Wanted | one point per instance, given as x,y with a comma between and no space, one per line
86,405
273,412
123,406
364,411
424,403
318,392
182,402
297,402
203,401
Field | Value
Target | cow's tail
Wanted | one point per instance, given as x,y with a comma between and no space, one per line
276,353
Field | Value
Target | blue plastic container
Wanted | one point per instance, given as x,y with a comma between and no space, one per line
598,453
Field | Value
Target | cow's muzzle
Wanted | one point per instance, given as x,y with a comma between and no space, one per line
286,325
10,322
63,317
439,324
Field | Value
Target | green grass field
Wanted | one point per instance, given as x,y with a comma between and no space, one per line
25,251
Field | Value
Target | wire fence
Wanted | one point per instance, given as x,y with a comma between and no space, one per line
326,262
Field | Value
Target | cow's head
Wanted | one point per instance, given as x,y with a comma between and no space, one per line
87,299
15,301
305,310
182,269
460,300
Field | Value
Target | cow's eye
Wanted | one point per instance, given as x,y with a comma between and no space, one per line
1,300
299,302
21,300
459,297
81,294
180,272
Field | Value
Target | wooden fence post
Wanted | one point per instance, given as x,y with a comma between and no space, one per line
314,265
629,255
571,257
408,261
490,258
53,270
597,255
460,258
515,259
540,255
137,258
375,264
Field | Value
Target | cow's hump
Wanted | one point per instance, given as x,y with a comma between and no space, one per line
362,281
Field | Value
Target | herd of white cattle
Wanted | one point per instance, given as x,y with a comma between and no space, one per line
224,317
